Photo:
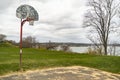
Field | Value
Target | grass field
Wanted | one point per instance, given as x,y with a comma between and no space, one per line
39,59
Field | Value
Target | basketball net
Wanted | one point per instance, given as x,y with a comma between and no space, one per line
31,22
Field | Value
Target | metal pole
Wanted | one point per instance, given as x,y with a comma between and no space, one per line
21,30
21,44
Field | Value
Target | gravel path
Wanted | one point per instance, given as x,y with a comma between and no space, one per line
63,73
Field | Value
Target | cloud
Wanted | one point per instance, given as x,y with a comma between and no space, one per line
4,4
59,20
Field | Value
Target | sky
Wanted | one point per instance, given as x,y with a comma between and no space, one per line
59,20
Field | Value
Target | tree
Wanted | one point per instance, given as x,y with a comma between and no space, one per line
113,48
51,46
65,48
100,19
29,41
2,37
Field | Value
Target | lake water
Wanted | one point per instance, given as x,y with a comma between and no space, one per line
84,50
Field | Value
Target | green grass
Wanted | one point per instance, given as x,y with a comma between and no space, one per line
39,59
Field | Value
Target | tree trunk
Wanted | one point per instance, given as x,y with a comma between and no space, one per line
105,48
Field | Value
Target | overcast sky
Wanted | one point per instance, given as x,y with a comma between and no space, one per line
59,20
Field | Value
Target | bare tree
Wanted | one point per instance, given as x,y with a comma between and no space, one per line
29,41
51,46
65,48
2,37
113,48
100,19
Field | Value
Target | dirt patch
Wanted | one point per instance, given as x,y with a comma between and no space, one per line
63,73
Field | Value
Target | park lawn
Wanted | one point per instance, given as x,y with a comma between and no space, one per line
38,59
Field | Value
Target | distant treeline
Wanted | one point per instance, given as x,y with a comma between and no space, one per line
68,44
74,44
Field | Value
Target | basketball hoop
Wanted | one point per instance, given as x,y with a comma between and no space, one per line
27,14
27,11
